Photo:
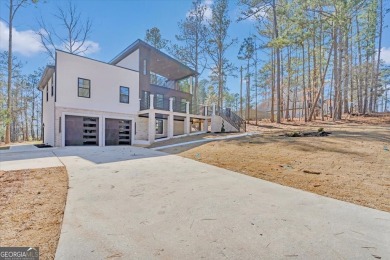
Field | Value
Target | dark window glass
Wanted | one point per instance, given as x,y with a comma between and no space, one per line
84,88
159,101
124,95
159,126
52,87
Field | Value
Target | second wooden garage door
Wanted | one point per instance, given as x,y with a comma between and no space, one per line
117,132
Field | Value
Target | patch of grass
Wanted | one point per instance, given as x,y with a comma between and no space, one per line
4,147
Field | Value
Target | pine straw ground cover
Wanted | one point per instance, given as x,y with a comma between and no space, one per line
32,204
352,164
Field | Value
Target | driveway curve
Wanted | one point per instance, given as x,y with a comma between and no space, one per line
135,203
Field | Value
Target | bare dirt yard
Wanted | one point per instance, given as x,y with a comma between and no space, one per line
32,204
351,164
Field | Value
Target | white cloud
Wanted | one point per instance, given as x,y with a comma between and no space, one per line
385,55
26,42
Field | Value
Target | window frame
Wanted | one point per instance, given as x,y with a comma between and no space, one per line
120,95
78,87
159,126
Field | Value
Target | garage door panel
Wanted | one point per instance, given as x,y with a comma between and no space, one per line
117,132
81,130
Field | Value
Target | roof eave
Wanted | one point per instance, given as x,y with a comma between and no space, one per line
47,74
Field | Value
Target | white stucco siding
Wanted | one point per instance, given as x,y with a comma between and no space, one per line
131,61
105,81
48,113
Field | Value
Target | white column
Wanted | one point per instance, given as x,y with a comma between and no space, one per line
101,131
187,107
213,109
151,98
152,127
187,125
206,125
139,104
170,126
171,104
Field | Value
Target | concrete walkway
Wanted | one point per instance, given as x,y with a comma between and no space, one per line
202,141
135,203
26,158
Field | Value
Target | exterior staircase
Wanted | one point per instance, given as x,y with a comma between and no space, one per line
232,118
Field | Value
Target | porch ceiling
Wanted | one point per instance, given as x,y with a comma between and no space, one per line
164,65
160,62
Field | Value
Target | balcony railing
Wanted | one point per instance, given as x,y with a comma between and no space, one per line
179,106
161,103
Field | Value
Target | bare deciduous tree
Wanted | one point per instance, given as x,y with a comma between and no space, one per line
72,37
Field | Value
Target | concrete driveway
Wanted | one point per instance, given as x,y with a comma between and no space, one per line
135,203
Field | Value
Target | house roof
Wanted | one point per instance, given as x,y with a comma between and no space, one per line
47,74
160,62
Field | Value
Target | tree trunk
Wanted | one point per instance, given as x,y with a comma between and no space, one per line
346,72
241,93
9,77
288,84
303,82
273,88
276,33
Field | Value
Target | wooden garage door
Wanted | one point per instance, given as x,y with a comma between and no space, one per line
118,132
81,130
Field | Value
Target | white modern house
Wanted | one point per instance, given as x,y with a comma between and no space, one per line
140,97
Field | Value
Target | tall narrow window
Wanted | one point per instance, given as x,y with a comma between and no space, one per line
144,67
84,88
159,101
124,95
47,92
52,87
159,126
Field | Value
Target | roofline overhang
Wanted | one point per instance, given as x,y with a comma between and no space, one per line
135,45
47,74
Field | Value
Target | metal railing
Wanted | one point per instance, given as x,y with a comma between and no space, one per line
232,118
144,103
179,106
161,103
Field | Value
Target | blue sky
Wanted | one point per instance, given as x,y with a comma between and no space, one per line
118,23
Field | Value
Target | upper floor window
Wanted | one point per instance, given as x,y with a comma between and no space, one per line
159,101
52,87
84,88
124,95
47,92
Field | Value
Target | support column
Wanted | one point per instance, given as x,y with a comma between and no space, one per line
152,127
205,125
214,121
151,100
187,125
187,107
170,126
171,104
